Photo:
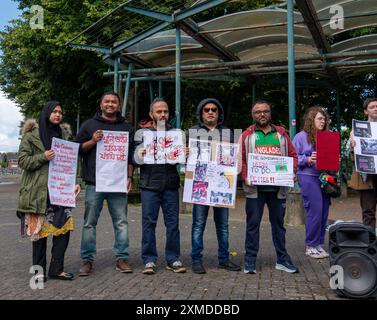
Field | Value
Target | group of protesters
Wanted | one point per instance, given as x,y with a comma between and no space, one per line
159,185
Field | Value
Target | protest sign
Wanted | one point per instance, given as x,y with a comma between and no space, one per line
211,174
62,173
365,136
270,170
112,162
164,147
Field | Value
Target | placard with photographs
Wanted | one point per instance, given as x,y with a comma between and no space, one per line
365,136
211,174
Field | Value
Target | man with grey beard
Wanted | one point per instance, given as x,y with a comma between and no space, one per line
159,184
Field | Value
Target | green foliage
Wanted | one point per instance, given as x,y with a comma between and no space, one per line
346,162
37,66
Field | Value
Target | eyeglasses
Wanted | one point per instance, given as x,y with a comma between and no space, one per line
259,112
206,110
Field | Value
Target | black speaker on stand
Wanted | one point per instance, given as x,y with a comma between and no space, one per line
353,247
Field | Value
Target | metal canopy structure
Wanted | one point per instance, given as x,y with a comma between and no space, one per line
312,36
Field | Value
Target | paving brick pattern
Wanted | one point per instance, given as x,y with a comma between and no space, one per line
312,283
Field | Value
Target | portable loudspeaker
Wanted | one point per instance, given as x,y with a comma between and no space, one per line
353,247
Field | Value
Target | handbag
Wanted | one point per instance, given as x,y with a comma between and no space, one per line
330,185
357,183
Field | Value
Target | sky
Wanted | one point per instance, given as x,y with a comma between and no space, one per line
10,115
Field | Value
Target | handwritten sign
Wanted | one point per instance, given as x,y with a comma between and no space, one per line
62,173
270,170
163,147
112,162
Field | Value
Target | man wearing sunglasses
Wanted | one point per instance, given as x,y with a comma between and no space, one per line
210,115
265,138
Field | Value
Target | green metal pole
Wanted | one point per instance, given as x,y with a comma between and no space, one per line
160,88
150,85
127,89
116,74
136,103
253,93
178,76
291,70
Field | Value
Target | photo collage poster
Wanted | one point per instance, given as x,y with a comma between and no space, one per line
365,135
211,173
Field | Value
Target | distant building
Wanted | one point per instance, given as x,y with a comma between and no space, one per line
12,164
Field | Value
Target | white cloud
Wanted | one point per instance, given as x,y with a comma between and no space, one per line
10,118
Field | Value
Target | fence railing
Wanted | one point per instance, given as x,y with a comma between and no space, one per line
7,171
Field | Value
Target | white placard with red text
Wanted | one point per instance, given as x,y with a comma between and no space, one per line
62,173
112,162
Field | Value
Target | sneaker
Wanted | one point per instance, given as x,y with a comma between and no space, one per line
322,251
197,267
230,266
176,267
123,266
286,266
150,268
250,268
86,269
312,252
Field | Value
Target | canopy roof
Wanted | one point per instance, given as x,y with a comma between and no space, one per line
256,40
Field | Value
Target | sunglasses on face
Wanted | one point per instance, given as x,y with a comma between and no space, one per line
206,110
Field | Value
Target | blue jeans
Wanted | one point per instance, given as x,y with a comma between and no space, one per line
254,213
199,219
152,201
117,203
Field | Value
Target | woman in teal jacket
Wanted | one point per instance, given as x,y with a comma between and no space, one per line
39,218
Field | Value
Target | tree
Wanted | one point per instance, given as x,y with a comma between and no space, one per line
37,66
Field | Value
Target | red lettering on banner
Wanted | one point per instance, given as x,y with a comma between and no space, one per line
268,150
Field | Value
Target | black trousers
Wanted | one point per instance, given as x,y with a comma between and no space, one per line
59,246
368,201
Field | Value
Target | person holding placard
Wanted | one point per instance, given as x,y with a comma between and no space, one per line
265,138
367,183
316,202
210,115
107,118
39,218
159,184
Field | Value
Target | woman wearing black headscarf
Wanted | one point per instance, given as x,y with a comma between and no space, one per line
39,218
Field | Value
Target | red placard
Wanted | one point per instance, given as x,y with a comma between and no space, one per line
328,147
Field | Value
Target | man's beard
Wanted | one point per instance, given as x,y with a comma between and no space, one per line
263,125
160,123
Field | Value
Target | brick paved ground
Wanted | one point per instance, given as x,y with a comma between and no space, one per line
312,283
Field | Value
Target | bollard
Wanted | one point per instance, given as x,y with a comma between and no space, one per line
295,212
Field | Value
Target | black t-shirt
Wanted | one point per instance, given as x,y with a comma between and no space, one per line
85,134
